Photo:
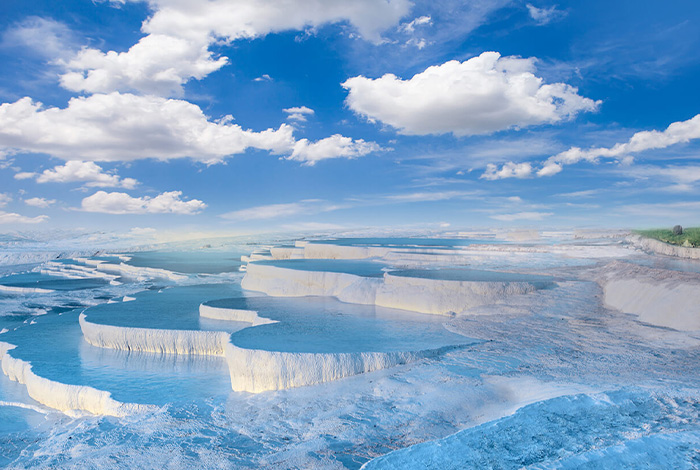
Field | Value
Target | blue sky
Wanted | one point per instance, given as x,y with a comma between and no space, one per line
242,116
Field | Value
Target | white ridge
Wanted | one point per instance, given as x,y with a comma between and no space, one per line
70,399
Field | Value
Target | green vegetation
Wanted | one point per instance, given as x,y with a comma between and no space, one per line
689,237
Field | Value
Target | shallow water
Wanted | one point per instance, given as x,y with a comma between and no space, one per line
36,280
356,267
666,262
470,275
551,379
165,307
323,324
190,262
406,242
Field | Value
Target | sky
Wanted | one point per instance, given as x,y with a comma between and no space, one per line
245,116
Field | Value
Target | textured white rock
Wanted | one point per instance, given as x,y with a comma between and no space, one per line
134,272
415,294
661,248
67,398
444,297
208,343
233,314
660,297
24,290
284,282
256,371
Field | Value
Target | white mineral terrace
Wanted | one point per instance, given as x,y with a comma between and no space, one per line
251,370
433,296
660,297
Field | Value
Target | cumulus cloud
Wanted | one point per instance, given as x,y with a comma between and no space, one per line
522,216
545,16
4,199
508,170
482,95
124,127
39,202
121,203
179,34
13,218
335,146
84,172
675,133
157,64
298,113
274,211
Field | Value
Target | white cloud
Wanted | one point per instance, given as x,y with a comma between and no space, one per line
298,113
143,232
411,25
549,169
39,202
522,216
410,28
545,16
24,175
508,170
84,172
124,127
263,78
430,196
122,203
683,177
676,133
4,199
580,194
176,48
157,64
673,211
335,146
680,132
481,95
312,227
274,211
13,218
46,37
246,19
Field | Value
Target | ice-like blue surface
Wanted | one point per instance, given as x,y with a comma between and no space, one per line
407,242
666,262
56,349
174,308
621,429
204,261
471,275
323,324
357,267
41,281
640,409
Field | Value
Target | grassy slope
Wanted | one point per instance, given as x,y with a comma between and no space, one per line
692,235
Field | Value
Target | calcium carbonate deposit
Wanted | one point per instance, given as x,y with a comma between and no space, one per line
559,350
